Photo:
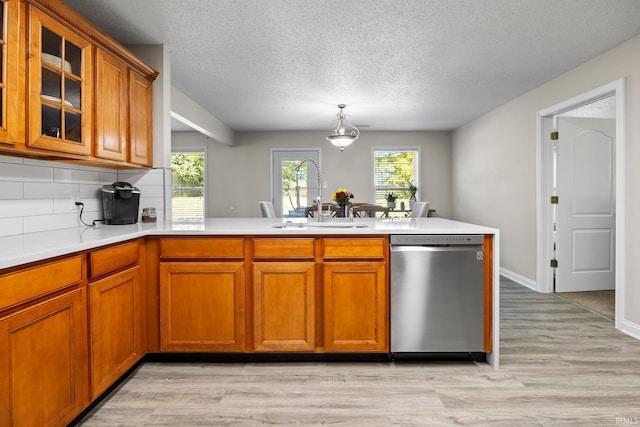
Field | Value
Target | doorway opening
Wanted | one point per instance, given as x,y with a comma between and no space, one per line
607,243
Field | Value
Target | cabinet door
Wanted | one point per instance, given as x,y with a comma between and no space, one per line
202,306
116,316
112,96
140,120
60,87
11,92
356,309
44,376
284,306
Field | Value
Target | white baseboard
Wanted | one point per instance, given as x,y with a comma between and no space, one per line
524,281
630,328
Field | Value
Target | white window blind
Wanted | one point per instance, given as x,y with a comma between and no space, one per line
393,171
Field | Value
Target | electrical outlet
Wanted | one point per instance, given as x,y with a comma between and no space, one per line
74,196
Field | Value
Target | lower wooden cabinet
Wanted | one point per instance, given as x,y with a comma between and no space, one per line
117,325
284,306
202,306
356,308
44,373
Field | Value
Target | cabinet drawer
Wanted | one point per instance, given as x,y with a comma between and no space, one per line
202,248
113,258
283,248
31,283
354,247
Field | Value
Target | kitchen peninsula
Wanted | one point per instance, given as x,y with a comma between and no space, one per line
279,287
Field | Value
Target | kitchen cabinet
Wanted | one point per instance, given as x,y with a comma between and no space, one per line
116,313
12,100
202,306
70,92
284,294
284,306
44,376
123,123
111,122
140,120
356,295
202,296
60,86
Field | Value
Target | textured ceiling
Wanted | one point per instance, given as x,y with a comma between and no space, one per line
397,64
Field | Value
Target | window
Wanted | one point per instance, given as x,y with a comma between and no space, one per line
394,170
188,184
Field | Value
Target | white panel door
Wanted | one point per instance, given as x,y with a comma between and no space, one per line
585,216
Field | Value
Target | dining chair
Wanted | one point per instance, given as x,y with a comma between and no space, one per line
367,210
311,211
266,209
420,210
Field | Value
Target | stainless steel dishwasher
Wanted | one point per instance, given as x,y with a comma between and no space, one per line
437,293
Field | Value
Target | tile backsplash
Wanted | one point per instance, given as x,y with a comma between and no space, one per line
38,195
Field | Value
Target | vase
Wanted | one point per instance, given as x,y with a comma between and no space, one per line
343,211
391,205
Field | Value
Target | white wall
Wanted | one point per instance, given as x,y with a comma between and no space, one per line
494,164
238,177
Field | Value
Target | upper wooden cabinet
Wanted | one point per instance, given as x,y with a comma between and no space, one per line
12,100
60,73
140,120
112,81
85,98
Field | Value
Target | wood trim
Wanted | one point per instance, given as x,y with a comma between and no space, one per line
152,270
12,123
488,291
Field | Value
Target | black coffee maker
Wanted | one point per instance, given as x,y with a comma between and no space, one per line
120,202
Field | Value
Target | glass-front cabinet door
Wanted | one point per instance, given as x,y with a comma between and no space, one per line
59,87
11,131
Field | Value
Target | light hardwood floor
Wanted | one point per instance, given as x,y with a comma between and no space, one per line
561,365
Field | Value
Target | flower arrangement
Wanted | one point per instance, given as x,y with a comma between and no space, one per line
342,197
390,197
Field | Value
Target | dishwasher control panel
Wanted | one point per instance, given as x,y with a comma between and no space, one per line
436,239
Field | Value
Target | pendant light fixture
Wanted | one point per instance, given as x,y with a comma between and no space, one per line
341,136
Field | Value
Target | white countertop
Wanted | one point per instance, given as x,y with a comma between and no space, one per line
26,248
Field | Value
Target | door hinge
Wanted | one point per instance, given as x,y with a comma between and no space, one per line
554,263
554,136
554,200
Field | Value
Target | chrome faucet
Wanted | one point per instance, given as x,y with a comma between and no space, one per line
319,201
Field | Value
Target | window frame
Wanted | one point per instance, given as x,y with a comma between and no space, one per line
416,168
